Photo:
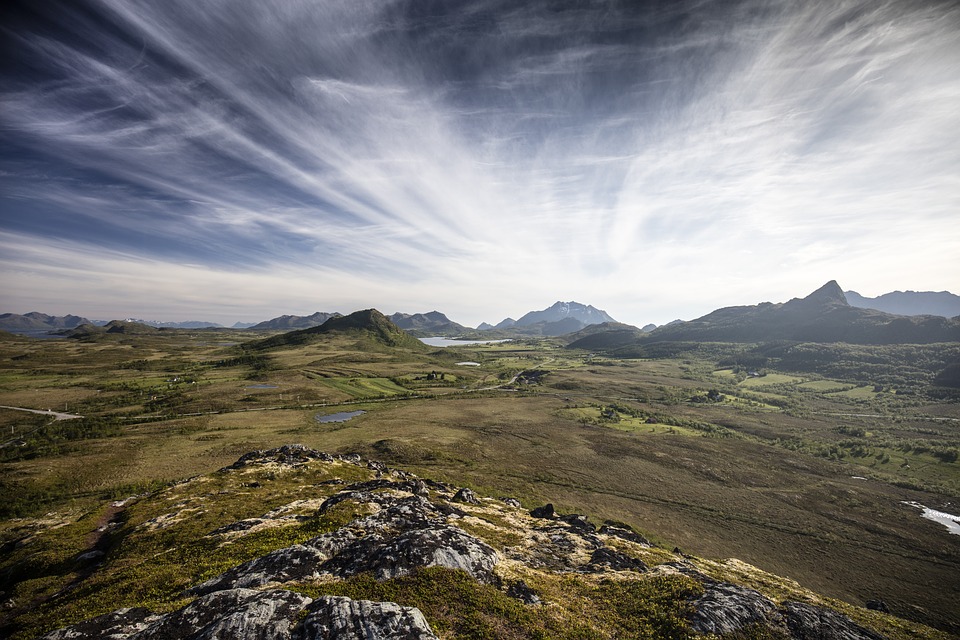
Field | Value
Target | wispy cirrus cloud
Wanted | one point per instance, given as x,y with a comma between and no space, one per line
485,157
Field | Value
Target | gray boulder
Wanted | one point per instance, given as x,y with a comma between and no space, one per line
299,562
623,533
332,617
236,614
546,511
117,625
807,622
607,559
404,535
726,608
288,454
466,496
433,546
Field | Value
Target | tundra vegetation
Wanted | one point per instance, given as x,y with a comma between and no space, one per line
797,459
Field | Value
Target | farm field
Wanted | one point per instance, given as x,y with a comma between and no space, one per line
801,474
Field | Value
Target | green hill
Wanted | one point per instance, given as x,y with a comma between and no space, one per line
369,326
608,335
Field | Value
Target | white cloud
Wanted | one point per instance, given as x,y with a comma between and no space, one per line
653,172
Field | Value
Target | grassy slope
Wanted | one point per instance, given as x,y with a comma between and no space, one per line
768,494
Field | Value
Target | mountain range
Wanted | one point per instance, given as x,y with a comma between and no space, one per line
823,316
564,318
909,303
432,323
559,319
369,326
39,322
296,322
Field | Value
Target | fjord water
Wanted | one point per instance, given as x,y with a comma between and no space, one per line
438,341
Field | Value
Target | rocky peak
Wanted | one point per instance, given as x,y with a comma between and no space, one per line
828,294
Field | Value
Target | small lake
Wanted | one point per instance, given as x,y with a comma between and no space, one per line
438,341
467,364
262,386
342,416
950,521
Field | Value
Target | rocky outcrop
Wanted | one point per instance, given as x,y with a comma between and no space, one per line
407,533
397,524
346,619
241,614
235,613
726,608
117,625
807,622
288,454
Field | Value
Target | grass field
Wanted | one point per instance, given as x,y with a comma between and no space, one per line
766,475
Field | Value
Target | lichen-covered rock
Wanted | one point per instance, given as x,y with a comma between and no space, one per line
546,511
246,614
299,562
467,496
235,614
623,533
332,617
807,622
521,591
117,625
288,454
607,559
726,608
433,546
405,534
578,523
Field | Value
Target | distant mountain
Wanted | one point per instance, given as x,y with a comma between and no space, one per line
243,325
35,322
296,322
608,335
188,324
585,313
823,316
556,320
910,303
93,332
484,326
432,322
368,326
553,328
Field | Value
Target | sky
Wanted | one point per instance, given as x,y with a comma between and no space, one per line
235,160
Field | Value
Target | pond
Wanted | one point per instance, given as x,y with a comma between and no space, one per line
438,341
467,364
342,416
950,521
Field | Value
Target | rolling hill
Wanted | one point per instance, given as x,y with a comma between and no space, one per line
368,325
295,322
34,322
432,323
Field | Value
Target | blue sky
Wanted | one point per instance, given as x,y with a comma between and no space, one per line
237,159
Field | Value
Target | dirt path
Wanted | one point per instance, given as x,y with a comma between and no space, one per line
46,412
